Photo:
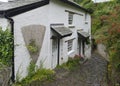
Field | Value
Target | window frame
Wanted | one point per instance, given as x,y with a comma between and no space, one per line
70,18
70,45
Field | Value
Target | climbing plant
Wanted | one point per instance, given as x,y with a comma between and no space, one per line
6,46
32,47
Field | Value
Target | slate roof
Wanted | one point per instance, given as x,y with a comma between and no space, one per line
19,6
83,34
61,31
75,5
15,4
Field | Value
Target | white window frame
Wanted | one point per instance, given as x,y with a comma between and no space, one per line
70,18
70,45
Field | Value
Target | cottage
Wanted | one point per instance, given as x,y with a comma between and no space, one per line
46,32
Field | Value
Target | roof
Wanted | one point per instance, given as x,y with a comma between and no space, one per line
83,34
19,6
75,5
61,31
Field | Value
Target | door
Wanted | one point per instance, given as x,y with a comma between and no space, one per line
54,52
79,47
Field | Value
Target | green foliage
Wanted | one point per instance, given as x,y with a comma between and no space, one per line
6,46
71,64
39,75
32,47
43,74
31,69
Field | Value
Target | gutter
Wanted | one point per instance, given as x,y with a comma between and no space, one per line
12,31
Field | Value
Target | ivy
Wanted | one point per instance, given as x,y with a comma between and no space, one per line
6,46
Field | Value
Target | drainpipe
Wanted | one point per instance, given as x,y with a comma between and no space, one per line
58,50
83,47
79,46
12,31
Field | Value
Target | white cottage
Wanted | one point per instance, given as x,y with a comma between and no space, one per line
47,32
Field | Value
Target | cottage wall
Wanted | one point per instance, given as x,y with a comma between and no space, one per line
37,16
4,23
80,22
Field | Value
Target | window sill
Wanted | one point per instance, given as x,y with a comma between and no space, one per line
70,52
71,26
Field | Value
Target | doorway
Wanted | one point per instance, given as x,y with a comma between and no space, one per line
54,52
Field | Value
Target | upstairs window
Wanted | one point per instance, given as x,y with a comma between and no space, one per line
70,18
85,16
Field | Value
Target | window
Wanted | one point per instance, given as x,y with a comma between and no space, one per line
85,16
70,45
86,22
70,18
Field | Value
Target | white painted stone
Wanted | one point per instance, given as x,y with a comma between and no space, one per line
4,24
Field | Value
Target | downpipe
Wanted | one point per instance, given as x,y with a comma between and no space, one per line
12,31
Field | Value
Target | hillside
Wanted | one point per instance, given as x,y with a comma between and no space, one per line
106,30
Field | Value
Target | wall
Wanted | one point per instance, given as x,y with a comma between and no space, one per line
5,75
58,15
102,51
4,23
22,57
88,29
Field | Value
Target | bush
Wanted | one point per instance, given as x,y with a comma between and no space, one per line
71,64
36,75
6,47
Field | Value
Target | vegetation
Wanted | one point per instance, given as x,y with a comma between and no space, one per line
71,64
106,30
36,75
6,46
32,47
41,75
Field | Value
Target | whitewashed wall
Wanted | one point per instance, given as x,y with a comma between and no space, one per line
58,15
87,29
4,23
37,16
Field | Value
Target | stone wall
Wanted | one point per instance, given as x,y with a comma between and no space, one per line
102,51
5,75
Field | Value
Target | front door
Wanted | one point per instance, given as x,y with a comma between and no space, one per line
79,47
54,52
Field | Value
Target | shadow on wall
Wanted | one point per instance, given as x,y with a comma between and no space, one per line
33,37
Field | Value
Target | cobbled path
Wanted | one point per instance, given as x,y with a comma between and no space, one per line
91,73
